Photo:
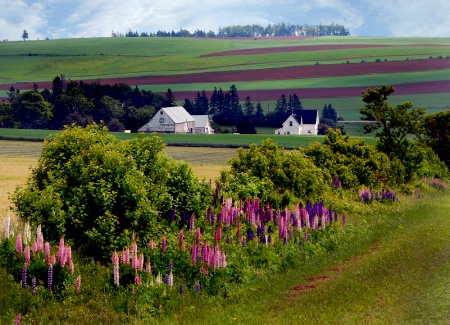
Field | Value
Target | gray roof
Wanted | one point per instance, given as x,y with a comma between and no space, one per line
178,114
201,121
308,116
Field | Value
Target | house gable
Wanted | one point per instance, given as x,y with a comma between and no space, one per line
302,122
170,120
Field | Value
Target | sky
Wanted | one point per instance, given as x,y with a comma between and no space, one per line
55,19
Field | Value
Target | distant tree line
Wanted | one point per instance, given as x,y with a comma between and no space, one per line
281,29
122,107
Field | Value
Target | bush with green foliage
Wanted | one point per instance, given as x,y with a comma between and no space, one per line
99,192
353,162
274,175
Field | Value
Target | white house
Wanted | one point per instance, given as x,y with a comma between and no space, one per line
177,120
304,122
170,120
202,124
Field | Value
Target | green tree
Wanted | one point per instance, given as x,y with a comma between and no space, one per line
249,107
100,192
24,35
169,99
6,118
437,132
31,111
396,124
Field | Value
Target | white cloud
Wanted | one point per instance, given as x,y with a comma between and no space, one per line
90,18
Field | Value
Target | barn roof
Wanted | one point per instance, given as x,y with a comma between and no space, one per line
201,121
178,114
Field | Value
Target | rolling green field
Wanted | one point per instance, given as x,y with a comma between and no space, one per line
208,140
102,58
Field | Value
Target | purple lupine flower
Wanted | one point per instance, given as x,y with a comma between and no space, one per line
197,286
181,289
284,241
170,279
228,239
19,244
33,285
166,279
170,267
24,276
77,284
50,277
250,234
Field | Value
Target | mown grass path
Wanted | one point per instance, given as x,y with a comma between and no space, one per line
397,272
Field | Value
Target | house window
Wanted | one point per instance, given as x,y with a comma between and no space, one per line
161,120
290,123
288,132
161,112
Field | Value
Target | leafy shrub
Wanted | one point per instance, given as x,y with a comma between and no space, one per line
273,175
98,191
353,162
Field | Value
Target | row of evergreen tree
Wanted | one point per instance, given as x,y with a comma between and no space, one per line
122,107
281,29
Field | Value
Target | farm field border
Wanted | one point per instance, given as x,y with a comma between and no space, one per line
187,140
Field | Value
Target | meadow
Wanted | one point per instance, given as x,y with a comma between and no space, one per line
392,269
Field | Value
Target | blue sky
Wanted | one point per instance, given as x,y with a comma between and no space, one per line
94,18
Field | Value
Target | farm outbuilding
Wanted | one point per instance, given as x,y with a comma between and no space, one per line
304,122
177,120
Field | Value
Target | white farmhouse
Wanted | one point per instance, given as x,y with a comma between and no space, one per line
177,120
170,120
304,122
202,124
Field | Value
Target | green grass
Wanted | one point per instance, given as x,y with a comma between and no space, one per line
94,58
395,272
209,140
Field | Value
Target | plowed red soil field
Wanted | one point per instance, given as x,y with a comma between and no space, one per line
286,73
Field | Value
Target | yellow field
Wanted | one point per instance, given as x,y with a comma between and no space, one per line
17,158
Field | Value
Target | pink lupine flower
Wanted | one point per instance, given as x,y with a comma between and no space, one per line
7,227
40,243
194,255
152,244
47,251
192,223
71,267
18,319
181,241
137,279
19,244
77,284
61,253
148,267
323,221
141,262
116,274
34,247
27,254
218,235
52,260
163,244
197,237
134,256
68,254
